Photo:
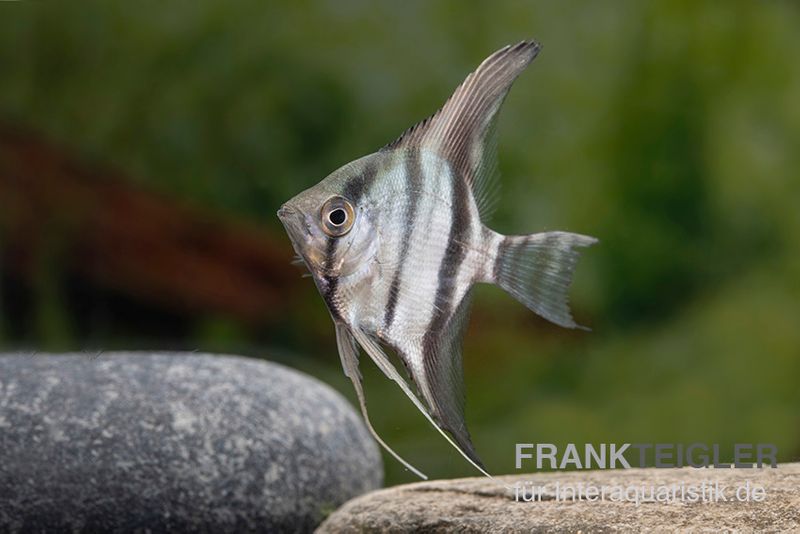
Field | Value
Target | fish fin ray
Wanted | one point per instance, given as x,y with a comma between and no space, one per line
443,388
348,352
463,131
373,349
537,270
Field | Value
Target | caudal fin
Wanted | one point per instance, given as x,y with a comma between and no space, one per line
537,270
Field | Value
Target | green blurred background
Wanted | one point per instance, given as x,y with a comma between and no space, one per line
670,130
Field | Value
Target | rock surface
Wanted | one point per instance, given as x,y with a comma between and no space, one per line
135,441
481,505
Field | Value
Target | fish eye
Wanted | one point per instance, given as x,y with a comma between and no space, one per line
337,216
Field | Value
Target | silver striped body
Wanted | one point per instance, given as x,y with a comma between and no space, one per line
413,197
397,263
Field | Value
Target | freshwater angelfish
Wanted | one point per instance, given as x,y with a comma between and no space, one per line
395,241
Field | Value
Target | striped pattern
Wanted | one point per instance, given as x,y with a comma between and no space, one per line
403,274
413,179
433,265
360,180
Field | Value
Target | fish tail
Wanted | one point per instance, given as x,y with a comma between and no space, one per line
537,270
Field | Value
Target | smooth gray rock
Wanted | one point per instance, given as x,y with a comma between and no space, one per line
485,506
139,441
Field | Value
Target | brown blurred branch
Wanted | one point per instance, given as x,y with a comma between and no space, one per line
123,238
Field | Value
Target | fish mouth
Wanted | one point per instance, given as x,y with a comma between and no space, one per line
299,233
293,221
285,212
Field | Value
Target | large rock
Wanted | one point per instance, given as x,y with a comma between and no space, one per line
174,442
482,505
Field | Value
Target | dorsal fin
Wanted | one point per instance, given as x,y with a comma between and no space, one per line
462,131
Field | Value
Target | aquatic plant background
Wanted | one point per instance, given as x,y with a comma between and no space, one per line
670,130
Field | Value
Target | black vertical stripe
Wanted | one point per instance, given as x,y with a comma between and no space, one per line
501,257
354,189
359,185
330,282
413,169
460,224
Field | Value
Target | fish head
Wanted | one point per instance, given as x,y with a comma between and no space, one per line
330,226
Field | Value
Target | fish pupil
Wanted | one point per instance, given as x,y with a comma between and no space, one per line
337,216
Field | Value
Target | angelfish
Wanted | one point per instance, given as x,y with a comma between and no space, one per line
395,241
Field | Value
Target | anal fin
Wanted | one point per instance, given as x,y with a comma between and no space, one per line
380,358
442,385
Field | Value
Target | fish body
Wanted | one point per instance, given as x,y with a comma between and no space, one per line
396,240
